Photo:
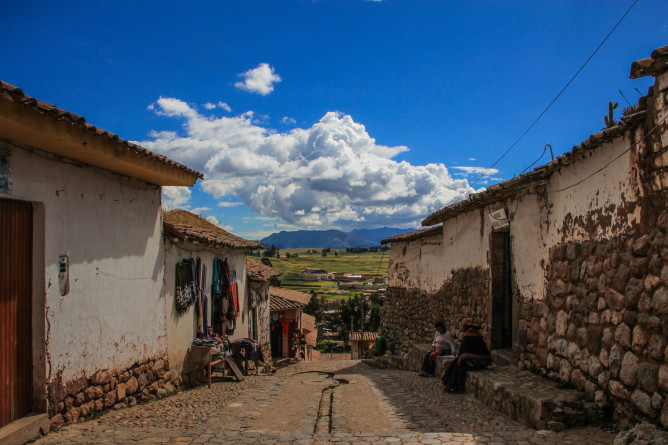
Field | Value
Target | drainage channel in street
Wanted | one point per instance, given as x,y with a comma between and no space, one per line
323,424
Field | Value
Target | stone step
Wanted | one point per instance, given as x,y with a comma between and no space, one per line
502,357
528,398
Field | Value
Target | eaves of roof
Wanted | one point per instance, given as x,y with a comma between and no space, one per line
216,238
410,236
654,66
34,123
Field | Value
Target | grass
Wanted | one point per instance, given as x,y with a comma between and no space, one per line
368,263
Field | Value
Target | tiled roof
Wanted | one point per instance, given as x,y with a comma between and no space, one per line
655,65
219,237
431,231
288,294
281,304
260,272
364,336
14,94
538,175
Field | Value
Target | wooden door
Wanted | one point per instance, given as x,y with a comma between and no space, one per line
15,310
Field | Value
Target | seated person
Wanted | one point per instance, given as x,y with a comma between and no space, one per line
442,345
473,355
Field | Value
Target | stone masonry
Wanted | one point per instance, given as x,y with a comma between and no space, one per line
604,323
409,314
74,402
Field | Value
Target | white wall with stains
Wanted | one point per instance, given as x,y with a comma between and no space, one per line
110,228
182,325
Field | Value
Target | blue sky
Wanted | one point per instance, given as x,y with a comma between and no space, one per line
332,114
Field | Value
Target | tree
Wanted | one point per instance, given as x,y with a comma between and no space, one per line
266,261
316,307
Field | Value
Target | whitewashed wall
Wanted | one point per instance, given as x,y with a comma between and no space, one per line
110,227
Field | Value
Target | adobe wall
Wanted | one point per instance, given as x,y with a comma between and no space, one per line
110,228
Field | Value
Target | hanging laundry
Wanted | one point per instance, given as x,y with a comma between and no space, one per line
182,296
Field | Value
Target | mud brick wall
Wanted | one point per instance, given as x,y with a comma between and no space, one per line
409,314
604,323
73,402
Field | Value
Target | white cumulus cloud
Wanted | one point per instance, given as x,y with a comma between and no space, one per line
332,174
229,204
175,197
259,80
288,120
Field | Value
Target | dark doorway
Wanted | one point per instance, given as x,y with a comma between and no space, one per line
502,291
15,310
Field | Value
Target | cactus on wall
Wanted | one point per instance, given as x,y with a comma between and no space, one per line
610,118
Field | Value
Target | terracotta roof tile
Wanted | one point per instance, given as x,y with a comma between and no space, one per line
13,93
431,231
260,272
288,294
277,303
219,237
655,65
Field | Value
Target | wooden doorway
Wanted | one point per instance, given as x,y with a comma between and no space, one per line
502,291
16,231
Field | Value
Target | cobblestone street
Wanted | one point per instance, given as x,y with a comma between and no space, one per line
317,402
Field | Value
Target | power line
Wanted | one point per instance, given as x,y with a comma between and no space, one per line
551,103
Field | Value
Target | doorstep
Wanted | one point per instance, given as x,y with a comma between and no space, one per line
24,429
528,398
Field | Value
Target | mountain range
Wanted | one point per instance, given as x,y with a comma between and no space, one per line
333,239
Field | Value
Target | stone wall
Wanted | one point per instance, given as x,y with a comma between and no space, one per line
409,314
604,323
77,400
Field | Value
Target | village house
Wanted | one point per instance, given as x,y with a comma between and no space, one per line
259,304
361,342
83,324
190,238
287,318
564,267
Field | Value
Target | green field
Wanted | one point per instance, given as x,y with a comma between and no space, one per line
368,263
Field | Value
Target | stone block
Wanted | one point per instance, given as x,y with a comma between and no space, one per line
101,378
634,289
640,339
628,373
648,375
615,359
642,245
623,335
158,365
657,401
72,416
639,266
56,422
594,368
99,404
643,402
109,399
603,379
662,378
621,278
93,392
659,303
565,370
79,399
132,385
617,389
120,391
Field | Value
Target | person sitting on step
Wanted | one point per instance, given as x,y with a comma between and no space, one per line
442,345
473,356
